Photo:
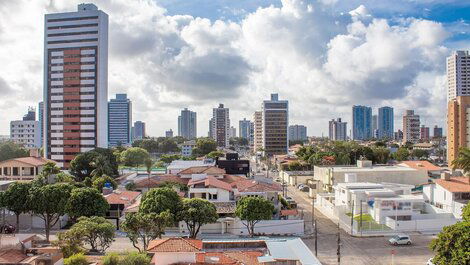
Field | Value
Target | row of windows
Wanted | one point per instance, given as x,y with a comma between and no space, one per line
74,85
74,108
73,26
71,19
72,123
73,100
72,33
72,78
68,138
75,131
72,93
71,63
73,71
71,41
71,56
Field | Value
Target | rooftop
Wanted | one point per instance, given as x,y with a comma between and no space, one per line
125,197
377,168
250,185
183,164
175,244
420,165
203,170
30,160
455,184
211,181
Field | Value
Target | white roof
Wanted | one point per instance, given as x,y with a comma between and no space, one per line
183,164
352,169
407,197
291,249
358,185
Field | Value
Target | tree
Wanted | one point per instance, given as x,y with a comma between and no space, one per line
76,259
99,182
168,145
420,154
148,144
9,150
160,200
49,169
215,154
466,212
83,164
134,156
197,212
49,202
452,245
381,155
95,231
101,166
15,199
251,210
144,228
86,202
134,258
169,158
111,259
69,245
63,177
204,146
402,154
463,161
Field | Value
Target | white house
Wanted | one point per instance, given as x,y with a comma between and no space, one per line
211,189
201,171
178,165
295,178
448,193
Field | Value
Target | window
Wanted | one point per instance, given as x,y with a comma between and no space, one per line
214,196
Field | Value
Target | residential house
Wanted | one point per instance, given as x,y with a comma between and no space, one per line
430,169
187,148
120,202
201,171
28,250
211,189
155,181
22,168
449,193
294,178
178,165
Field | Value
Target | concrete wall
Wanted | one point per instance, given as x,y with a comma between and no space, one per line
424,224
173,257
28,221
269,227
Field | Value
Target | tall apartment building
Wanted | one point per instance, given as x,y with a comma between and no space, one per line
232,132
398,135
458,75
458,105
411,127
169,133
424,133
75,83
257,131
362,122
41,121
220,126
275,115
138,130
120,120
338,130
187,124
297,133
385,123
26,132
437,132
244,127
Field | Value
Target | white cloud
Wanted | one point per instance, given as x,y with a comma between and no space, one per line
322,62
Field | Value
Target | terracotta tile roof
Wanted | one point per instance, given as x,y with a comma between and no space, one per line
175,244
455,184
233,178
158,180
245,257
211,181
31,160
289,212
203,170
421,165
214,258
125,197
250,185
11,256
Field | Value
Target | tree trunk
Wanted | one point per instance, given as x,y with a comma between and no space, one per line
46,228
17,228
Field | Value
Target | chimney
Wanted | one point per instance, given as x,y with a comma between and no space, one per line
445,175
34,152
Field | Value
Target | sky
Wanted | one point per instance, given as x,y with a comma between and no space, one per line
324,56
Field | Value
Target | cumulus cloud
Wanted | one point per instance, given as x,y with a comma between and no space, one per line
322,61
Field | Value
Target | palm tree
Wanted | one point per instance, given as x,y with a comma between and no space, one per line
101,165
463,161
148,165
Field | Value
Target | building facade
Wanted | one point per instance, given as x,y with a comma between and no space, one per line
458,75
120,120
424,133
385,122
27,131
458,114
338,130
257,131
41,120
437,132
187,124
138,130
362,122
75,83
275,116
220,126
411,127
169,133
244,127
297,133
232,132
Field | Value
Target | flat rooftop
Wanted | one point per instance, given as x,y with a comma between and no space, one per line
352,169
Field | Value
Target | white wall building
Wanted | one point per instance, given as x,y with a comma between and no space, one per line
75,83
187,148
26,133
411,127
458,75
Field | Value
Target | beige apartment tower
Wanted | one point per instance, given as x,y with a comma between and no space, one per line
257,131
411,129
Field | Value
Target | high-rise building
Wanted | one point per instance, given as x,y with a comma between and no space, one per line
424,133
244,127
338,130
458,129
362,122
220,126
187,124
75,83
275,114
458,75
138,130
385,123
437,132
232,132
169,133
41,121
411,127
252,134
257,131
374,122
26,132
120,120
297,133
398,135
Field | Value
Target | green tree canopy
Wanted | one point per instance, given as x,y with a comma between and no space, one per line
142,228
215,154
197,212
169,158
76,259
204,146
9,150
86,202
160,200
84,164
99,182
463,161
135,258
452,245
402,154
15,199
251,210
49,202
134,156
95,232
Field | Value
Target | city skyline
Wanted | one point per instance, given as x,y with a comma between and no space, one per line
406,94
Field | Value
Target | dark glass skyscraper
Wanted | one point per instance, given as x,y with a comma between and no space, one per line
362,122
120,120
385,123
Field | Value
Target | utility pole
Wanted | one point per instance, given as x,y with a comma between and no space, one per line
352,217
360,221
316,237
338,250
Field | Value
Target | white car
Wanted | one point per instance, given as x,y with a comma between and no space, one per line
430,262
400,239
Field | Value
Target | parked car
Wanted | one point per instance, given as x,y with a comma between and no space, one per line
300,186
400,239
430,262
278,180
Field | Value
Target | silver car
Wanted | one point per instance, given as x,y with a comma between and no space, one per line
400,239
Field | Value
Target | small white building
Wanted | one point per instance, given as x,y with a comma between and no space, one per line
295,178
211,189
450,194
178,165
26,133
187,148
